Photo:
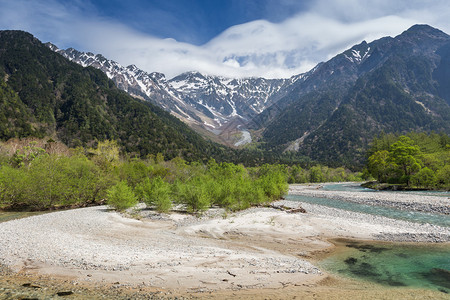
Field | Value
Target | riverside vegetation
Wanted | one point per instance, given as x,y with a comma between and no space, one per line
40,175
415,160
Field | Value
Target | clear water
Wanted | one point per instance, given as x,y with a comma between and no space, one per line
406,215
356,187
345,187
389,264
8,216
393,264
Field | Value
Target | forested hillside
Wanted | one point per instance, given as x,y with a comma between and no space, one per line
393,85
44,94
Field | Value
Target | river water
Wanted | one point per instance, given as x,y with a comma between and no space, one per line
393,264
12,215
406,215
388,264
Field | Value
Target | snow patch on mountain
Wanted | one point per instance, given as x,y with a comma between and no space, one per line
206,100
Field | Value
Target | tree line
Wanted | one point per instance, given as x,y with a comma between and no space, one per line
41,175
416,160
37,178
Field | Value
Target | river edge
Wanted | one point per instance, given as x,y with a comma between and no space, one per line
29,285
267,232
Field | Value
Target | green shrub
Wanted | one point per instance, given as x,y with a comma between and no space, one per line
316,175
443,177
424,178
272,180
51,181
26,155
13,186
194,194
121,196
133,171
155,192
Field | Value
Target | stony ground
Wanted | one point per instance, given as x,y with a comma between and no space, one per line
258,248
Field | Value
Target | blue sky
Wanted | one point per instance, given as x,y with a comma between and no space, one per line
194,22
233,38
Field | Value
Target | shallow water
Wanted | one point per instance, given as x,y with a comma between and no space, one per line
388,264
8,215
393,264
356,187
345,187
406,215
400,214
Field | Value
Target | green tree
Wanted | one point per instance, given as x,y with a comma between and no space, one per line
106,154
405,158
316,175
155,192
378,165
443,177
194,194
424,178
24,157
121,196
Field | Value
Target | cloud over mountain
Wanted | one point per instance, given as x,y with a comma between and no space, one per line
256,48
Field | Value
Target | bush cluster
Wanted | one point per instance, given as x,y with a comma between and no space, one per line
320,173
51,181
34,179
417,160
198,187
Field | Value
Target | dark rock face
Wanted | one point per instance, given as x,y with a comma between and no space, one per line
393,84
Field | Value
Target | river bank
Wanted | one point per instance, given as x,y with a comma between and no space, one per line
259,251
424,203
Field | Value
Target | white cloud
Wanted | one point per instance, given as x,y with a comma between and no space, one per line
257,48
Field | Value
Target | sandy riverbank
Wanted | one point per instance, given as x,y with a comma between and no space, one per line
260,251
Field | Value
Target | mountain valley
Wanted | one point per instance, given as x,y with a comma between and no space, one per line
330,114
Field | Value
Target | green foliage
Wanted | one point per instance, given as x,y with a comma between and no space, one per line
319,173
424,178
404,156
316,175
443,177
194,194
378,165
155,192
134,171
51,181
121,196
14,187
35,179
417,159
106,154
273,180
26,155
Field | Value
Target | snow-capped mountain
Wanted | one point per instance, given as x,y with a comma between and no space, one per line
225,98
209,101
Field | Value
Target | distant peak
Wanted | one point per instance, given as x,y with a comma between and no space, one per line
51,46
424,29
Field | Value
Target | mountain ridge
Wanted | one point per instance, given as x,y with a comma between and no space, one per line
211,102
44,94
395,87
393,84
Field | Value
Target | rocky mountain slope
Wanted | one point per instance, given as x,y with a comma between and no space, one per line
211,102
392,84
329,113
